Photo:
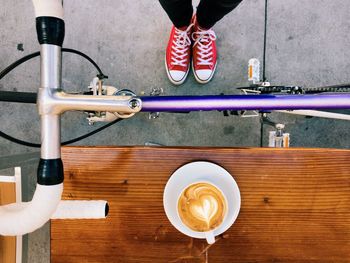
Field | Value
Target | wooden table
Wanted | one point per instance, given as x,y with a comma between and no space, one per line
295,206
7,243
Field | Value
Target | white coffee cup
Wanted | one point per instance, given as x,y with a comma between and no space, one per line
208,173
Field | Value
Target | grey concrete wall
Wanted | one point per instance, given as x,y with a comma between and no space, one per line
308,45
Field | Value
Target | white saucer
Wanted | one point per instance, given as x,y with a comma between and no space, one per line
204,172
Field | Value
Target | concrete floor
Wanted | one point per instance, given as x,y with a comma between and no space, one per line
308,45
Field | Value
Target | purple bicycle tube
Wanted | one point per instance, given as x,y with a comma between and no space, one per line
244,102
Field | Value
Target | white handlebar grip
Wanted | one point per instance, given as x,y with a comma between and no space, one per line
22,218
76,209
52,8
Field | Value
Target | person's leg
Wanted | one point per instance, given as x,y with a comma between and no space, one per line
179,11
178,52
204,52
211,11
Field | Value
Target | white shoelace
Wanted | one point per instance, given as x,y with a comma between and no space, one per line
180,46
203,39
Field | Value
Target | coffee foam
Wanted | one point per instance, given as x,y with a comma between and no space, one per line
202,207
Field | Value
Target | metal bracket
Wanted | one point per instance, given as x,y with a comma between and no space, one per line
98,89
155,92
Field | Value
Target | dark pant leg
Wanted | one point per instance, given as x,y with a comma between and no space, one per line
211,11
179,11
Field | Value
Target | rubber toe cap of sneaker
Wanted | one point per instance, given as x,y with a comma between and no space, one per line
204,74
177,75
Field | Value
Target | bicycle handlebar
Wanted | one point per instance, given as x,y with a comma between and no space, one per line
23,218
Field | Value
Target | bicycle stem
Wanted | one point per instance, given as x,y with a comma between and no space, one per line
23,218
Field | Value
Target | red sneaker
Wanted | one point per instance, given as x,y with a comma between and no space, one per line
204,58
178,54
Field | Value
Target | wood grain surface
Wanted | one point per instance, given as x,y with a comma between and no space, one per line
7,244
295,206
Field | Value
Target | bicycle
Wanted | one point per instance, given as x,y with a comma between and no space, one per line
52,101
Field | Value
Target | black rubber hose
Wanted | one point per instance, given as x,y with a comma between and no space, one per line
20,97
37,145
18,141
15,64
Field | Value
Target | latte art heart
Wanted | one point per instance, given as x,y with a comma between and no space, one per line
205,208
202,207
